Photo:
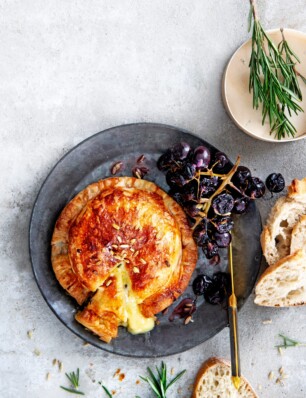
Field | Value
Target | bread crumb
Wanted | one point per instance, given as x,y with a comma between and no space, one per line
267,321
60,366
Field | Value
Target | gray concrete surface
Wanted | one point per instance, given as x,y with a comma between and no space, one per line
72,68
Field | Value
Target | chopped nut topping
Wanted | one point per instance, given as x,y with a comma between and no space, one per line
136,270
116,167
140,159
116,226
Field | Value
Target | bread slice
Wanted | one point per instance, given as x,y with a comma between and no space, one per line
298,236
284,283
276,235
214,381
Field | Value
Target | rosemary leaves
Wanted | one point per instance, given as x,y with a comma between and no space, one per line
274,80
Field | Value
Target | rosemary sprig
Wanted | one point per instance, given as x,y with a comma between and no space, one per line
74,378
158,382
106,390
287,342
274,79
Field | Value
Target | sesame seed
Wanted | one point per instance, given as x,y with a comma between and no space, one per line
271,375
30,334
48,376
136,270
109,282
124,246
119,239
187,320
116,226
142,261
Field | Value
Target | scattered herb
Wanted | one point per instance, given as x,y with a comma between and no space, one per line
74,378
287,342
106,390
274,78
158,382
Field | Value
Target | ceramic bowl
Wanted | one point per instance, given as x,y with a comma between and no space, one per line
238,100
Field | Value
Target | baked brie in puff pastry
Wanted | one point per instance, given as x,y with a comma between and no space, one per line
124,248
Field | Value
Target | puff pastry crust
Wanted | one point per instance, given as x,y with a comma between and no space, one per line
126,245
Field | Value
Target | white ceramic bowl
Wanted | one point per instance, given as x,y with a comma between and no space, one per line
238,100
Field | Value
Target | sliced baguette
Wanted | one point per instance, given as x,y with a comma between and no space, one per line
298,236
214,381
284,283
276,235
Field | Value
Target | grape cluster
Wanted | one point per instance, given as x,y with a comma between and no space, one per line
210,189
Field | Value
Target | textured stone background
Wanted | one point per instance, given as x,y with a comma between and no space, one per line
72,68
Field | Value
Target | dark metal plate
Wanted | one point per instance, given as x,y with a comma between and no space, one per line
90,161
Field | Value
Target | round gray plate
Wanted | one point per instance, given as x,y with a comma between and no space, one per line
90,161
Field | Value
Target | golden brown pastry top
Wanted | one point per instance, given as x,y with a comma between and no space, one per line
126,239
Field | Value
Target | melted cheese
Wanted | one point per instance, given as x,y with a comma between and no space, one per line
136,323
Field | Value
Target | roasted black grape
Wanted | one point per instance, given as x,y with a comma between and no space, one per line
223,203
219,289
222,240
220,160
255,188
165,161
210,249
241,205
223,224
200,284
241,176
191,209
201,157
200,233
175,179
180,151
275,182
188,171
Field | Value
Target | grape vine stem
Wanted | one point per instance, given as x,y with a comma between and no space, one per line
207,204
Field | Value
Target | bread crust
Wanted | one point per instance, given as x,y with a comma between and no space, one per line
292,258
207,366
164,263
